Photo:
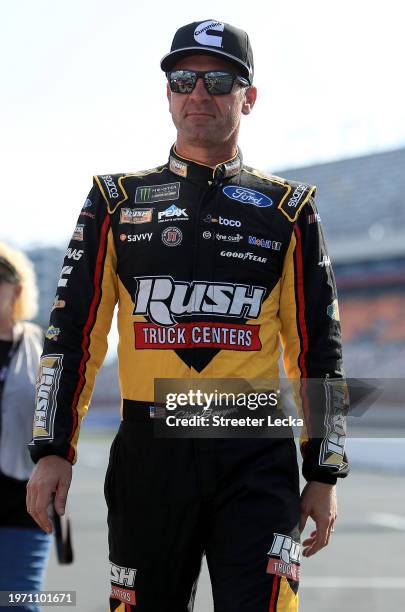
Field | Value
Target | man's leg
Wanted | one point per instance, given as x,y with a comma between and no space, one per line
154,518
253,548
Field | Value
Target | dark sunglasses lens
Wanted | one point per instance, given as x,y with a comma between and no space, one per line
182,81
219,82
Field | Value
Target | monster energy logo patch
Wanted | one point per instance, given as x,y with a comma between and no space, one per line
157,193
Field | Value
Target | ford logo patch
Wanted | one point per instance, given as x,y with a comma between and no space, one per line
247,196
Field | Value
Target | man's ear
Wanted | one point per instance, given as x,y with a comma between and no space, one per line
249,101
169,96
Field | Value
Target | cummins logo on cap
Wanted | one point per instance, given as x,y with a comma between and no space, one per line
203,38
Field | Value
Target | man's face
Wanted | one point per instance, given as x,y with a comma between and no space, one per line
202,119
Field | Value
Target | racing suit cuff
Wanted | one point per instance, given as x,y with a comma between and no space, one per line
320,474
324,478
37,452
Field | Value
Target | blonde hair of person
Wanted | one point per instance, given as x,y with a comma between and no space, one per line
26,306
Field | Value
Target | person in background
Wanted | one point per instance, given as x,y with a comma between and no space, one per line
24,547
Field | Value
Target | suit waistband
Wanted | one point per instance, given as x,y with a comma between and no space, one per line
133,411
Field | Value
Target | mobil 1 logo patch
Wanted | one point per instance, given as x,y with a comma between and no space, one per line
247,196
157,193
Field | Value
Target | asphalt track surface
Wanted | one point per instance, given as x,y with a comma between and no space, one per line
362,570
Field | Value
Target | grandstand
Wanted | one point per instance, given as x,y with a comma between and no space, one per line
362,206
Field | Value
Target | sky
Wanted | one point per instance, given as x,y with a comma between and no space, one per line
81,93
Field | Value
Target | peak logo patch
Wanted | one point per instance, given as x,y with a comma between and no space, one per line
173,212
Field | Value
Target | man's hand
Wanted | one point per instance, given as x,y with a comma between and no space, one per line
318,500
52,474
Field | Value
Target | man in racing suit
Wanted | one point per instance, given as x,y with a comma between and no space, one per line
212,263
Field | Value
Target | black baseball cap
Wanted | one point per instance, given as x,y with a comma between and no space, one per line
215,38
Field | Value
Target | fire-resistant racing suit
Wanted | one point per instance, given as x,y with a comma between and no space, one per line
211,268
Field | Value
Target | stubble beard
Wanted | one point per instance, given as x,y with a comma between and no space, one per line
207,135
203,136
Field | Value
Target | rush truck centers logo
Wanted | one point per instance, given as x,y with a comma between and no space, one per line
136,215
284,557
162,299
236,337
333,445
125,577
49,373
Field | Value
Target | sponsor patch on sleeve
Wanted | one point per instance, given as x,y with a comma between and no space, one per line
333,445
50,370
78,233
295,199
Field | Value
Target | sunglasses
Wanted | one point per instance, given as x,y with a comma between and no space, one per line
217,83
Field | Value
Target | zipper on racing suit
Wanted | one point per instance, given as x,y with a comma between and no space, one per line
203,450
213,185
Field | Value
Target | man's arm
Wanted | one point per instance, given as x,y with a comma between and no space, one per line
74,349
312,356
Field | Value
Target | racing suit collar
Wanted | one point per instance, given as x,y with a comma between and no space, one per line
195,171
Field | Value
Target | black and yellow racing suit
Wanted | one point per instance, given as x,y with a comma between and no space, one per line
214,271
